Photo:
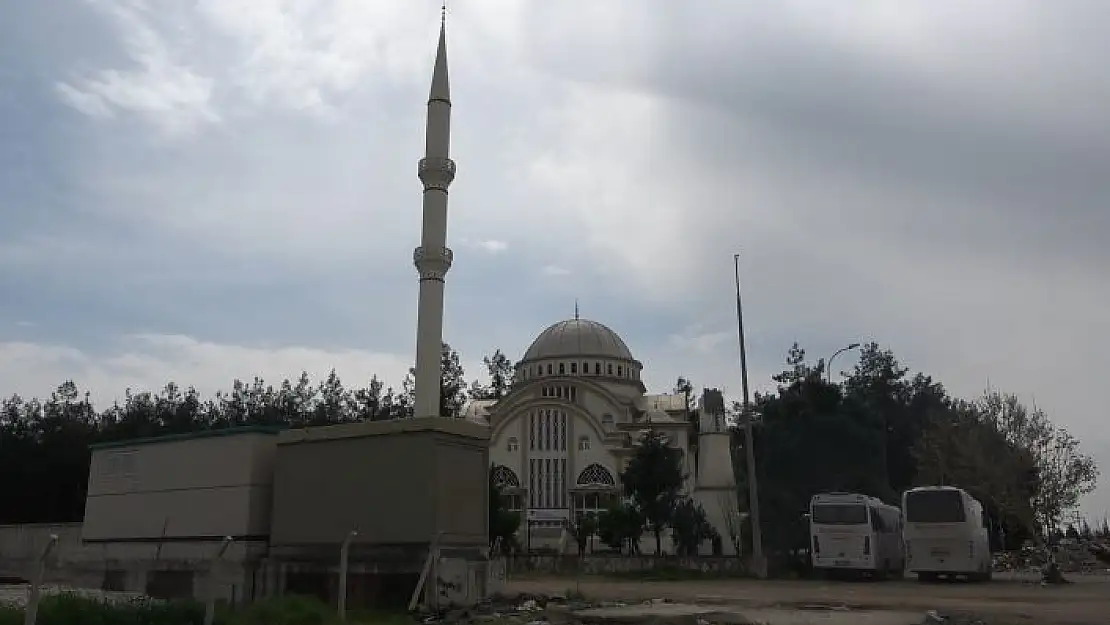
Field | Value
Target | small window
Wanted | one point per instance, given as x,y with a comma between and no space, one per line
562,368
573,393
584,444
607,419
597,368
585,367
620,371
609,368
559,392
574,367
543,392
548,368
513,444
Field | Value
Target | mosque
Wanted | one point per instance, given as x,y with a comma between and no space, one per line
576,408
559,440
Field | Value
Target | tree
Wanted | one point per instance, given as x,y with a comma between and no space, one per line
452,385
690,527
500,371
620,527
582,528
1060,473
653,481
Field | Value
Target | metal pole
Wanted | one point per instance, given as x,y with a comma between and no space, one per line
210,591
753,487
344,554
31,612
828,372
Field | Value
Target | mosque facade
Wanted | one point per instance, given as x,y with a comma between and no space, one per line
561,437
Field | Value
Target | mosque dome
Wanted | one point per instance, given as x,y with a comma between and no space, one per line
577,338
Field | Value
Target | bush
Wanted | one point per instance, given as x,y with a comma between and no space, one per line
72,609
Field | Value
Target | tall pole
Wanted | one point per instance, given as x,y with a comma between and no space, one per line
753,486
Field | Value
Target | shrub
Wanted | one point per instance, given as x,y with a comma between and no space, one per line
73,609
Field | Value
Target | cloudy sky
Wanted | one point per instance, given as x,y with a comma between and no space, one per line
206,190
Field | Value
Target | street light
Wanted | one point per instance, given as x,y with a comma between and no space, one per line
749,443
828,373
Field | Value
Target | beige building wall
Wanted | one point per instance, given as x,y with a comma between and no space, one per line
395,482
197,487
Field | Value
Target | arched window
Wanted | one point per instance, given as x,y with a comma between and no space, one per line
513,444
503,477
584,443
595,475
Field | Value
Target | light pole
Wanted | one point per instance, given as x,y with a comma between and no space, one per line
828,372
749,444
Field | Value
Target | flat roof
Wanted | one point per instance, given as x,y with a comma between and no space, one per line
451,426
188,436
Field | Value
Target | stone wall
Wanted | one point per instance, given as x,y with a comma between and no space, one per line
724,566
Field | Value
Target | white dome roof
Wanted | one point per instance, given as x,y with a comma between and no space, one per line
577,338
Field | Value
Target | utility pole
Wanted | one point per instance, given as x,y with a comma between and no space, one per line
753,488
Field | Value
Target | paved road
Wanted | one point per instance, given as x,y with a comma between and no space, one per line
1086,602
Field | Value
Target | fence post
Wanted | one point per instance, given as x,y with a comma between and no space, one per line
210,582
31,613
344,555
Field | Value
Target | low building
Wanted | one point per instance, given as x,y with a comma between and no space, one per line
158,510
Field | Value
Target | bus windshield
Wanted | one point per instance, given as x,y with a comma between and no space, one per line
934,506
839,514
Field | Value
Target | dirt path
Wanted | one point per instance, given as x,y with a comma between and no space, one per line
1086,602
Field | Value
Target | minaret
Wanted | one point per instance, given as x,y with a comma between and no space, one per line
433,258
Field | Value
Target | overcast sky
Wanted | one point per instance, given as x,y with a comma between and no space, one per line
205,190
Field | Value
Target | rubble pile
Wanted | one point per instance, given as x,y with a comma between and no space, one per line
1071,556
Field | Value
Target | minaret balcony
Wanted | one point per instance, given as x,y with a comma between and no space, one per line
436,172
432,262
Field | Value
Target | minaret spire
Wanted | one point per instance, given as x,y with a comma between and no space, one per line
433,257
576,309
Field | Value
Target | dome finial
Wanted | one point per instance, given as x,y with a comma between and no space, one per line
576,309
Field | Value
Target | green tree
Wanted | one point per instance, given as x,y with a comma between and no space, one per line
653,482
452,385
690,527
500,371
583,527
620,527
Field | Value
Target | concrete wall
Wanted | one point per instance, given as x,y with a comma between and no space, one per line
188,488
396,482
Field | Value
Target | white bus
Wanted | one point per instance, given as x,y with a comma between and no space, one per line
857,533
945,534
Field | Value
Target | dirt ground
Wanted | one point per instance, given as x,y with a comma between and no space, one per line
1085,602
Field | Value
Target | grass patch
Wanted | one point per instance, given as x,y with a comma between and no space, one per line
71,609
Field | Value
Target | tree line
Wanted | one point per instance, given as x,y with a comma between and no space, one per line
878,431
44,442
883,430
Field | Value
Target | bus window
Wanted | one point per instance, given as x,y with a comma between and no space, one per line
934,506
839,514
